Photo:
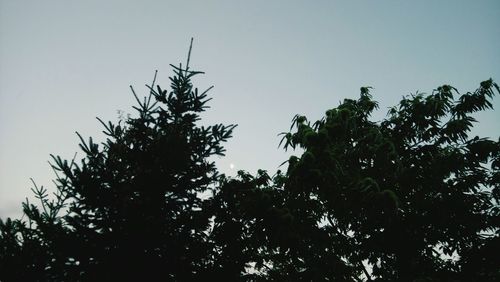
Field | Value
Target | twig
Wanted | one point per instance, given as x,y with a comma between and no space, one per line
152,85
365,271
40,195
135,95
205,92
154,79
189,54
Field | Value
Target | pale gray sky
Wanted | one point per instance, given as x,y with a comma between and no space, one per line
62,63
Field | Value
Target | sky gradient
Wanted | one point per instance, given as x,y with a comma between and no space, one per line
63,63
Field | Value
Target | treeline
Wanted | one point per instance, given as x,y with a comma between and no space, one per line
410,198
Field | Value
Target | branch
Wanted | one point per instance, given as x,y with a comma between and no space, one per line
339,232
152,86
135,95
368,276
40,195
189,54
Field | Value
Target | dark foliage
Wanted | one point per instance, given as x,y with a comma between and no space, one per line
133,207
410,198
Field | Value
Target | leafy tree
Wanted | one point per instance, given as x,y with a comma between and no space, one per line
410,198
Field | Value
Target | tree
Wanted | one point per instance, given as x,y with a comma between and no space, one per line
413,198
134,206
410,198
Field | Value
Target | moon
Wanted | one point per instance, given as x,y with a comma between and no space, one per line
231,166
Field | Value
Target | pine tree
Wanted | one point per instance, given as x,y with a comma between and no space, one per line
133,207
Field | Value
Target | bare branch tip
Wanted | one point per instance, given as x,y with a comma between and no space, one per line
189,53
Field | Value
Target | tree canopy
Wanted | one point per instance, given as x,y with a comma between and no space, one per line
410,198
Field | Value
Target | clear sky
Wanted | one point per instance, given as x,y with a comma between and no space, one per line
62,63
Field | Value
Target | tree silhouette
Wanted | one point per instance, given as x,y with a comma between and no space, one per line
133,207
410,198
